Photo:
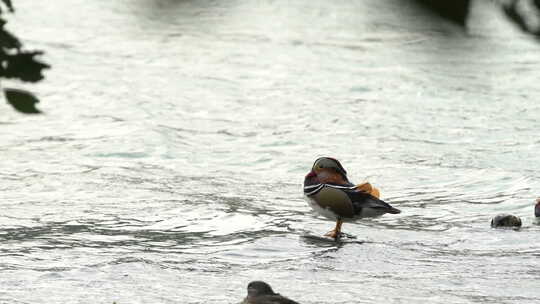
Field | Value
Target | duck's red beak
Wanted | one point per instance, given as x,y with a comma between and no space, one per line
311,178
311,174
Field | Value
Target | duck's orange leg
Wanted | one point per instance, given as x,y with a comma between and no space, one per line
336,232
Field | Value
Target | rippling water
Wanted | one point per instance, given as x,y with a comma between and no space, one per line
168,167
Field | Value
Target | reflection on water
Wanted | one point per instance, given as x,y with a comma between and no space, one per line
169,165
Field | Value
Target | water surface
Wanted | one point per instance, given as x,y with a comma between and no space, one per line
168,167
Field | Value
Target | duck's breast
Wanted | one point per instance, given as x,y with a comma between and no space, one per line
332,203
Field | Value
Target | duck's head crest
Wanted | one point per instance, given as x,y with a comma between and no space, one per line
328,163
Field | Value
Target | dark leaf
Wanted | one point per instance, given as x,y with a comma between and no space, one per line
23,101
24,66
452,10
519,18
511,12
7,40
8,4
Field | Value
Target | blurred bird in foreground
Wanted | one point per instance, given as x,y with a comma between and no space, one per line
505,221
331,194
260,292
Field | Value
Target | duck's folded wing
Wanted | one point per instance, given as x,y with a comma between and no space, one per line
362,200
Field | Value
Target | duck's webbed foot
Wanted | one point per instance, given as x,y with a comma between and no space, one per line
336,232
333,234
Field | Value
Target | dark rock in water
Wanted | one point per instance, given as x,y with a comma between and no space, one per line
537,208
505,220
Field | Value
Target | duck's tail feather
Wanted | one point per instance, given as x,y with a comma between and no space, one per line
393,210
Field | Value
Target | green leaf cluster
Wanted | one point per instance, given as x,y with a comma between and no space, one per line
17,63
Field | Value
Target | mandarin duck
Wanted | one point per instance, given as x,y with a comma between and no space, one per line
260,292
537,208
331,194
